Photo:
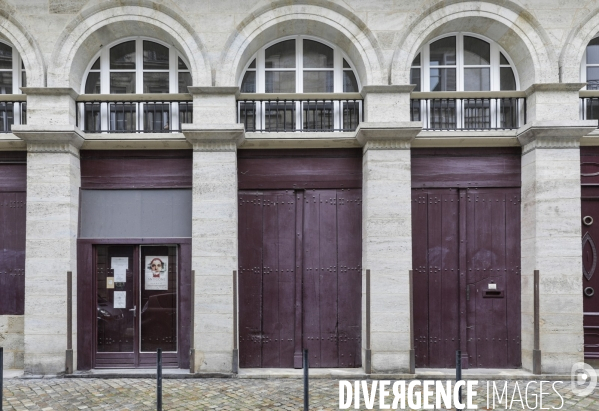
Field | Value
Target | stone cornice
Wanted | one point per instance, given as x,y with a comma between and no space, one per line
49,135
226,137
213,90
387,136
554,87
53,148
50,91
396,88
554,131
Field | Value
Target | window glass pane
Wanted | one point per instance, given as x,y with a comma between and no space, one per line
248,85
476,51
593,78
416,61
5,82
502,59
415,78
477,79
182,65
184,82
92,84
5,56
350,84
443,52
318,81
122,56
281,55
280,82
507,79
346,64
23,79
155,56
443,79
317,55
593,51
252,64
156,83
96,65
121,83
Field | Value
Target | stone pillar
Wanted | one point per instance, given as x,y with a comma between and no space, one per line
551,220
215,137
53,181
387,223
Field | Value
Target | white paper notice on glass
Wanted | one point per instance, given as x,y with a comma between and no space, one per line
120,266
120,299
156,272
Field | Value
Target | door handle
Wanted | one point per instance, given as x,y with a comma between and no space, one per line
134,309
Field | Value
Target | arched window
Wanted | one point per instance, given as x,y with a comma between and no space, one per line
12,78
300,65
590,65
136,66
462,63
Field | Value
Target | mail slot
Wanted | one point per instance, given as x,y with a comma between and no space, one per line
493,294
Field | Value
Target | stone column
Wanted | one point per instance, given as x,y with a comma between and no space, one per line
551,220
387,223
215,137
53,181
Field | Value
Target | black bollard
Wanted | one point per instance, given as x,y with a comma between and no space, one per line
306,393
1,374
458,370
158,380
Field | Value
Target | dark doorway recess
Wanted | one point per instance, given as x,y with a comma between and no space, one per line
589,157
13,202
300,259
466,257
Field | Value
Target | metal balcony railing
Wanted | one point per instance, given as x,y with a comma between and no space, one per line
318,112
469,111
133,113
13,110
589,104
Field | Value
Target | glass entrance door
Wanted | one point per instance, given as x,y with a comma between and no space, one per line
137,300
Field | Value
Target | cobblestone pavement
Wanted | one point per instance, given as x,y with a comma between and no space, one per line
224,394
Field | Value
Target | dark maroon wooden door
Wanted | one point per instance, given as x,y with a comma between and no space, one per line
590,278
466,257
300,277
12,252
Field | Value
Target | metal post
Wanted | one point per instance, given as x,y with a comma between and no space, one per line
68,368
1,375
159,380
306,382
368,353
192,350
412,351
235,347
536,352
458,370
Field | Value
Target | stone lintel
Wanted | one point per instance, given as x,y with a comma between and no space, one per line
388,136
213,90
554,134
554,87
50,91
49,135
395,88
215,137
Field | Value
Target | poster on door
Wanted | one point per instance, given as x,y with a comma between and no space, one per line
156,273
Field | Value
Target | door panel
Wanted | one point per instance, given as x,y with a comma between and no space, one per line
466,260
590,277
12,253
329,310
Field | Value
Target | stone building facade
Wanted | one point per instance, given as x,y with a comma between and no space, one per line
153,123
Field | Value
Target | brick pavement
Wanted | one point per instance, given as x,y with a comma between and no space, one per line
59,394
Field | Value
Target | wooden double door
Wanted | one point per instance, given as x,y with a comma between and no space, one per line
590,277
300,277
466,262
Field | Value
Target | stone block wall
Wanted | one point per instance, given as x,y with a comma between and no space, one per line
11,339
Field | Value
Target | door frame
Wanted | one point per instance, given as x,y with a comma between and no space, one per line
86,287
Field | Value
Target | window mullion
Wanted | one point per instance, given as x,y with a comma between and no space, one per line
139,66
